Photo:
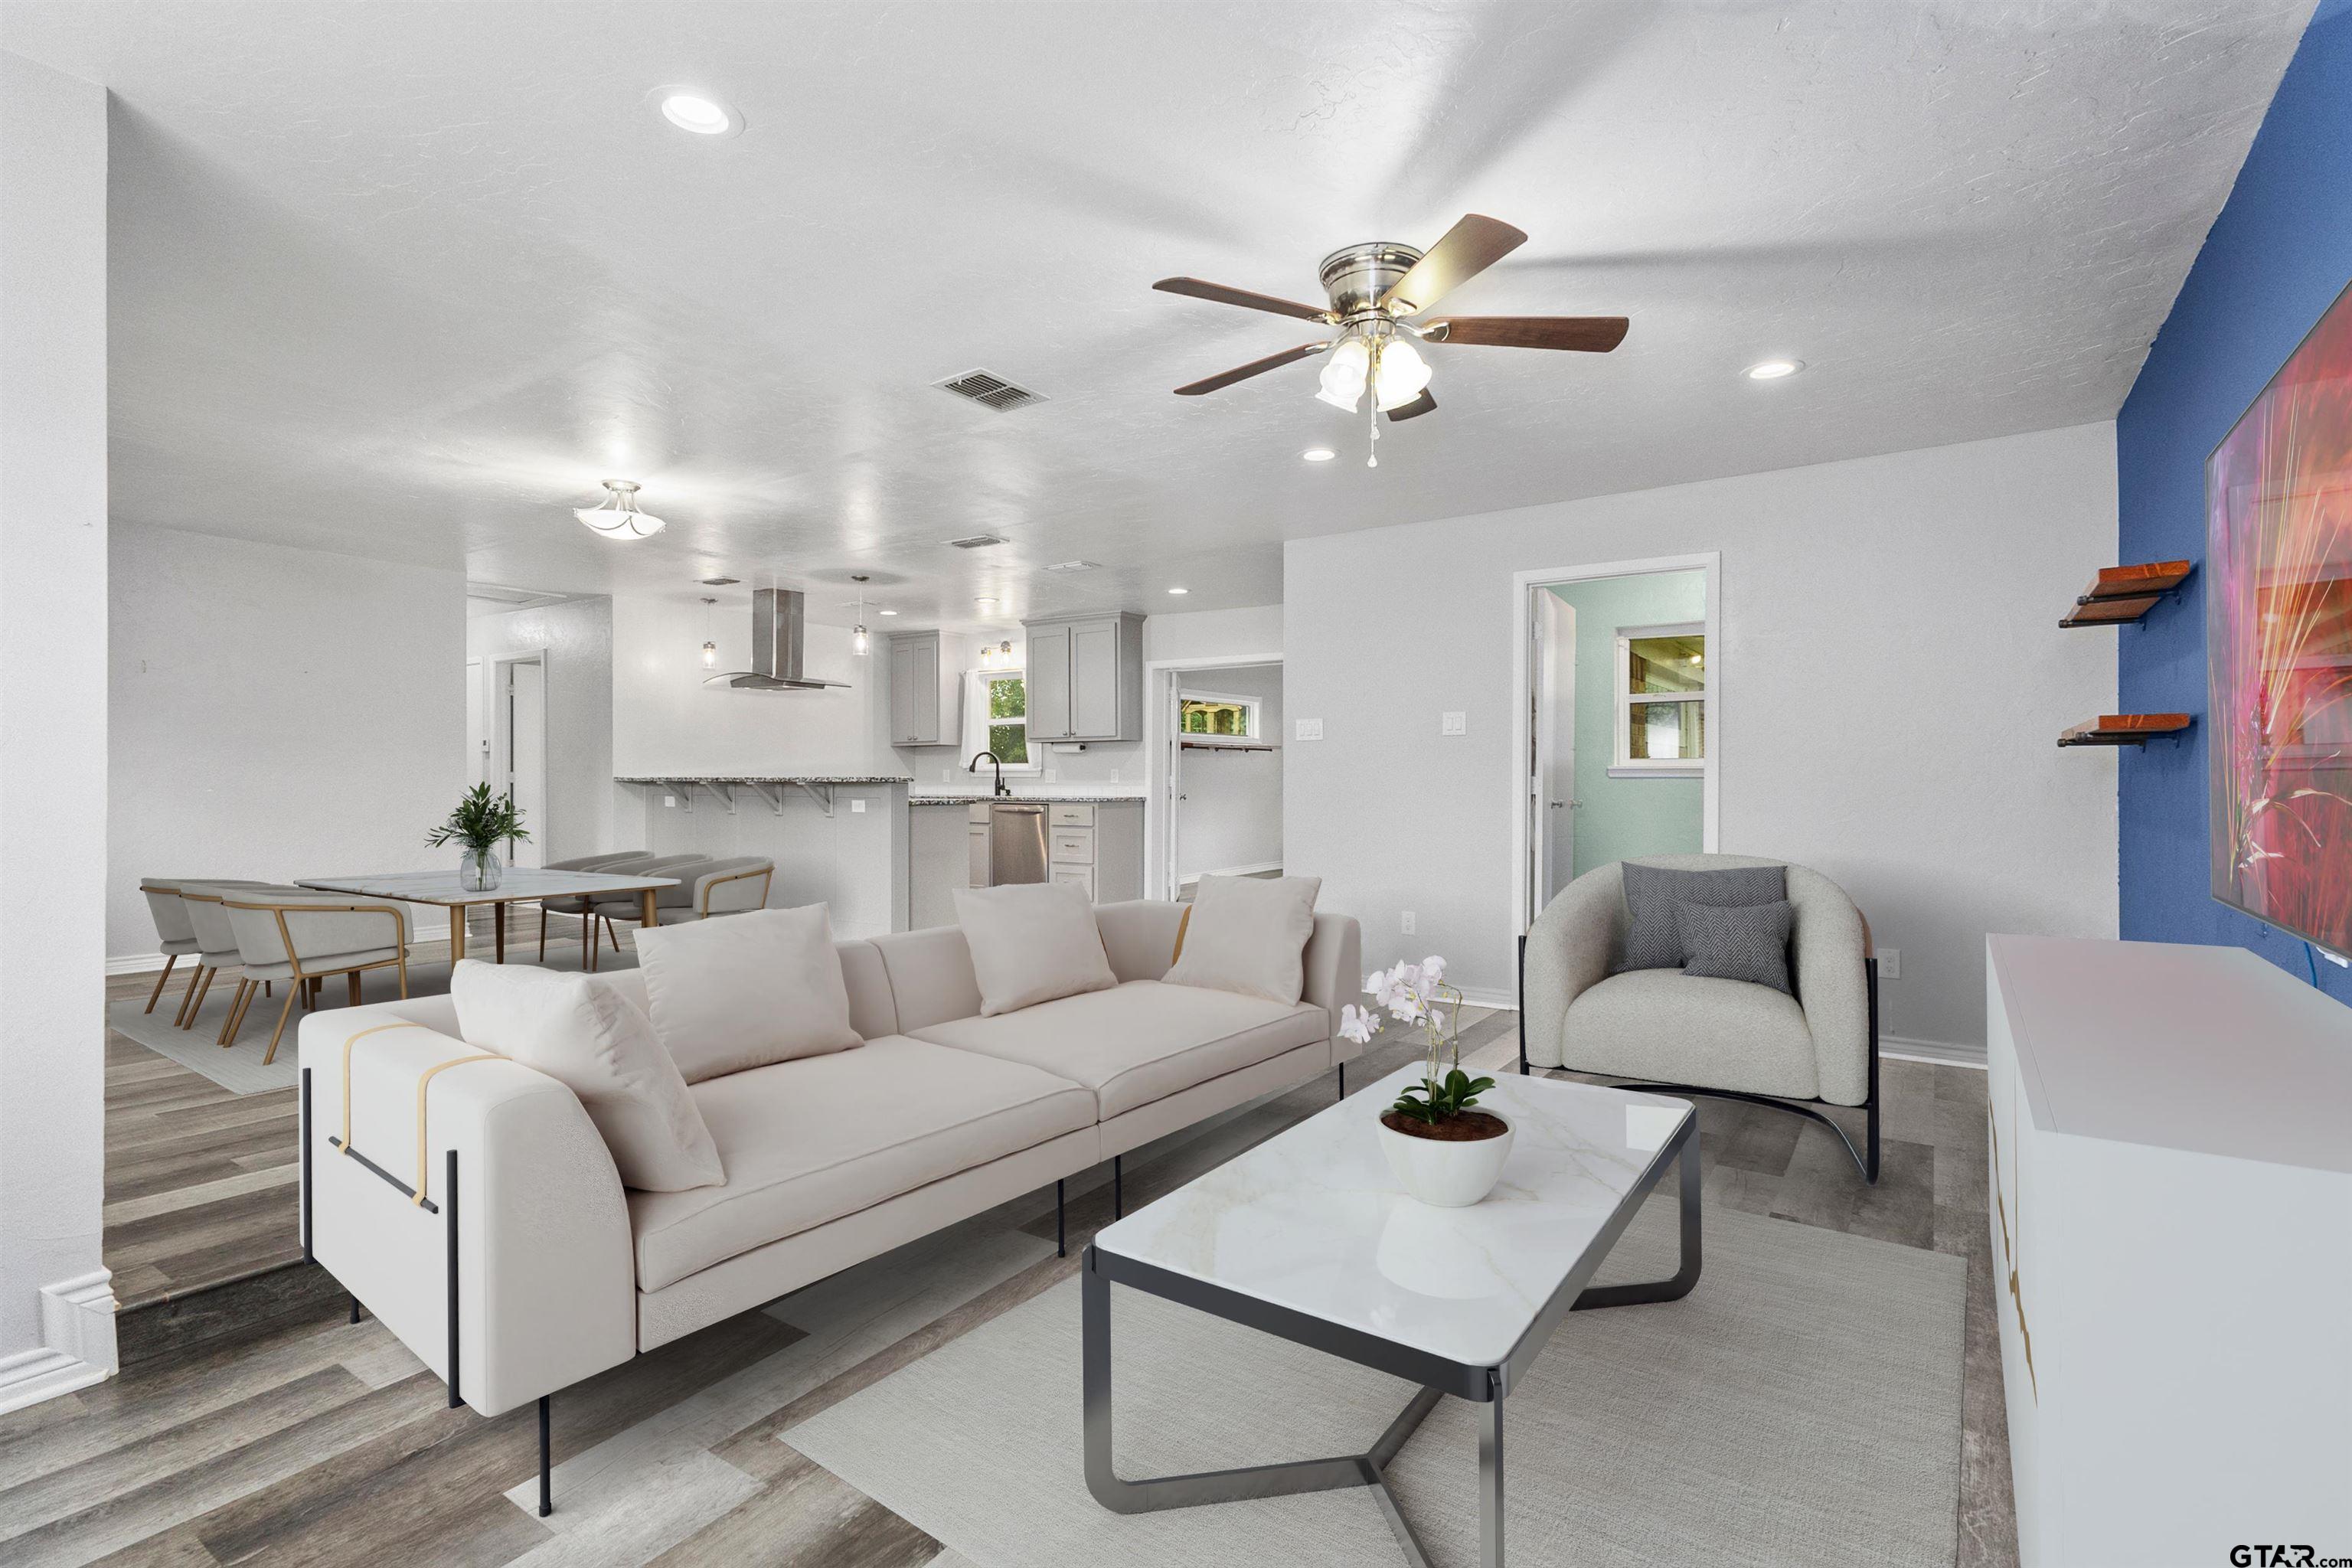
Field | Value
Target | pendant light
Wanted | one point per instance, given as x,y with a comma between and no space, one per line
616,517
709,646
858,641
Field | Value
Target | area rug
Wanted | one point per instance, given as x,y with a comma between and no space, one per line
239,1069
1801,1406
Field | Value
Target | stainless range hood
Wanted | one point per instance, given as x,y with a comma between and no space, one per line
779,629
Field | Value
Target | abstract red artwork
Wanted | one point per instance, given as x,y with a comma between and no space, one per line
2278,583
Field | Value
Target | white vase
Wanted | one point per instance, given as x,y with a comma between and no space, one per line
1441,1172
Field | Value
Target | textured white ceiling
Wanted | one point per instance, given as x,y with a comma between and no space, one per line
407,280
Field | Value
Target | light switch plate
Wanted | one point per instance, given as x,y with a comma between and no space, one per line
856,806
1310,729
670,801
1454,723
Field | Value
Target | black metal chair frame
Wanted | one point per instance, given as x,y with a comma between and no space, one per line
1864,1161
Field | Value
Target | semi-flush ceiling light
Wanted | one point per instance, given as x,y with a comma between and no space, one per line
691,112
1318,454
616,516
709,647
1774,369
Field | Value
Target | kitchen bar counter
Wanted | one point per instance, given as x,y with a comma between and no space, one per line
764,778
1042,797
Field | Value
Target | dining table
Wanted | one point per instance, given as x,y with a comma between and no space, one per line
516,885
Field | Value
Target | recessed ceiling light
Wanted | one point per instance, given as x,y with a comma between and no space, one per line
985,604
886,612
1318,454
1180,590
1774,369
692,111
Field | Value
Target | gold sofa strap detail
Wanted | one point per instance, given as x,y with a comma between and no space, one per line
1183,921
353,1040
423,1079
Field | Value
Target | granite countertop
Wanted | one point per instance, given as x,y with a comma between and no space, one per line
763,778
1042,797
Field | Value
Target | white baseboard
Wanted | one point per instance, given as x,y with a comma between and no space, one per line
78,1343
1502,1001
135,963
1255,868
1942,1053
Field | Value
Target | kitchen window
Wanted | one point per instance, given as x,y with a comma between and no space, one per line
1000,710
1661,699
1203,716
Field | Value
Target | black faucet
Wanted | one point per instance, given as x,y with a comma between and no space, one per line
995,762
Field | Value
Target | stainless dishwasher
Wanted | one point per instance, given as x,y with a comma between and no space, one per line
1007,842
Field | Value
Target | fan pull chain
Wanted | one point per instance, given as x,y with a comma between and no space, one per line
1372,455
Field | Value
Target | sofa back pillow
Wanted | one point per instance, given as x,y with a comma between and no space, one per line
1032,942
1653,940
741,991
577,1029
1248,935
1747,941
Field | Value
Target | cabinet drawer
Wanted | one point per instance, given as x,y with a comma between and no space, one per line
1078,876
1070,815
1074,847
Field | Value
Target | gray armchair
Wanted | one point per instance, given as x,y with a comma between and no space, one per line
1691,1035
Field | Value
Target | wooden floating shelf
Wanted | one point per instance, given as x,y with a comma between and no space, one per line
2121,594
2125,728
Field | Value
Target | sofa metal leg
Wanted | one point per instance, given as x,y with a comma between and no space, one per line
1117,1193
355,1310
450,1229
546,1483
1343,1081
1870,1166
1523,1004
1061,1245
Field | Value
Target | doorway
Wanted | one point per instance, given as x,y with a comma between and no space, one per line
1618,715
1214,804
519,753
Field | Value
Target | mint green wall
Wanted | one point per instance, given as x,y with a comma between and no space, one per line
1626,817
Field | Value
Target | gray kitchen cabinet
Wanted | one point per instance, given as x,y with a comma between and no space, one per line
1085,675
926,691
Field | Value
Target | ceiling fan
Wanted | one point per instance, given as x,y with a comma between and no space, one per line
1373,288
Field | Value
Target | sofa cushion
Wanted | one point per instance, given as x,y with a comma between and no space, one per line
1140,1041
1248,935
808,1140
1032,942
579,1030
730,994
1672,1028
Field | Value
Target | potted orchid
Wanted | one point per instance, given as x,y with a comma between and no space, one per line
1441,1147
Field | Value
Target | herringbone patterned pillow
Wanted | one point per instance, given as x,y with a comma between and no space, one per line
1748,943
1652,891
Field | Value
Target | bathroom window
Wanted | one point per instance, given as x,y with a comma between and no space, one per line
1661,702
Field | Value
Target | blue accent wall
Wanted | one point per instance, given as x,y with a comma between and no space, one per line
2277,256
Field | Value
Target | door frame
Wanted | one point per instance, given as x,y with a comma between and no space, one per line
501,760
1158,758
1523,587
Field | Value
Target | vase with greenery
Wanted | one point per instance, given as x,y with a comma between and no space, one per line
1440,1145
480,821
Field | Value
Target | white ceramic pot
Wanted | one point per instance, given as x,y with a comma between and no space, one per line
1443,1173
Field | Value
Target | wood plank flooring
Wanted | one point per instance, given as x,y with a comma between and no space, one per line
253,1424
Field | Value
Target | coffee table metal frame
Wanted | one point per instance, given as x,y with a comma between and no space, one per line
1484,1386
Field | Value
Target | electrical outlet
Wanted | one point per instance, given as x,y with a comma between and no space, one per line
670,801
856,806
1408,922
1454,723
947,775
1890,964
1114,775
1310,729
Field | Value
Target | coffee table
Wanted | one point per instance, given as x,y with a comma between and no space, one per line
520,884
1308,1238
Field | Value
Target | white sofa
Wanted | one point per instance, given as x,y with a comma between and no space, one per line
523,1265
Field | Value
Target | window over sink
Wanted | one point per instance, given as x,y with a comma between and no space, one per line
1000,706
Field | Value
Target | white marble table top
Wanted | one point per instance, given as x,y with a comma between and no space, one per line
518,882
1312,1220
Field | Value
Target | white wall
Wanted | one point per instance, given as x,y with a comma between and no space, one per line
575,641
1231,813
276,714
57,1323
1213,634
1892,683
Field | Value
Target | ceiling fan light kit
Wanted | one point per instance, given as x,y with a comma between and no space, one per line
1372,289
616,516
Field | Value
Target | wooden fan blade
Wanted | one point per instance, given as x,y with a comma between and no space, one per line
1244,297
1592,334
1255,367
1413,410
1468,248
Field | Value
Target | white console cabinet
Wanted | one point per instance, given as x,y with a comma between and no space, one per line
2172,1181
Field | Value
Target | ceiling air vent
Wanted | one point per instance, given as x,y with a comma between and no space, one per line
994,390
1076,566
977,541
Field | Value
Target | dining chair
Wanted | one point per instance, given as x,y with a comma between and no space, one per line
175,934
302,937
578,904
599,909
216,941
713,888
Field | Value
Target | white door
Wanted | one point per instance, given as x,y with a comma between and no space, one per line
477,730
1551,688
526,719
